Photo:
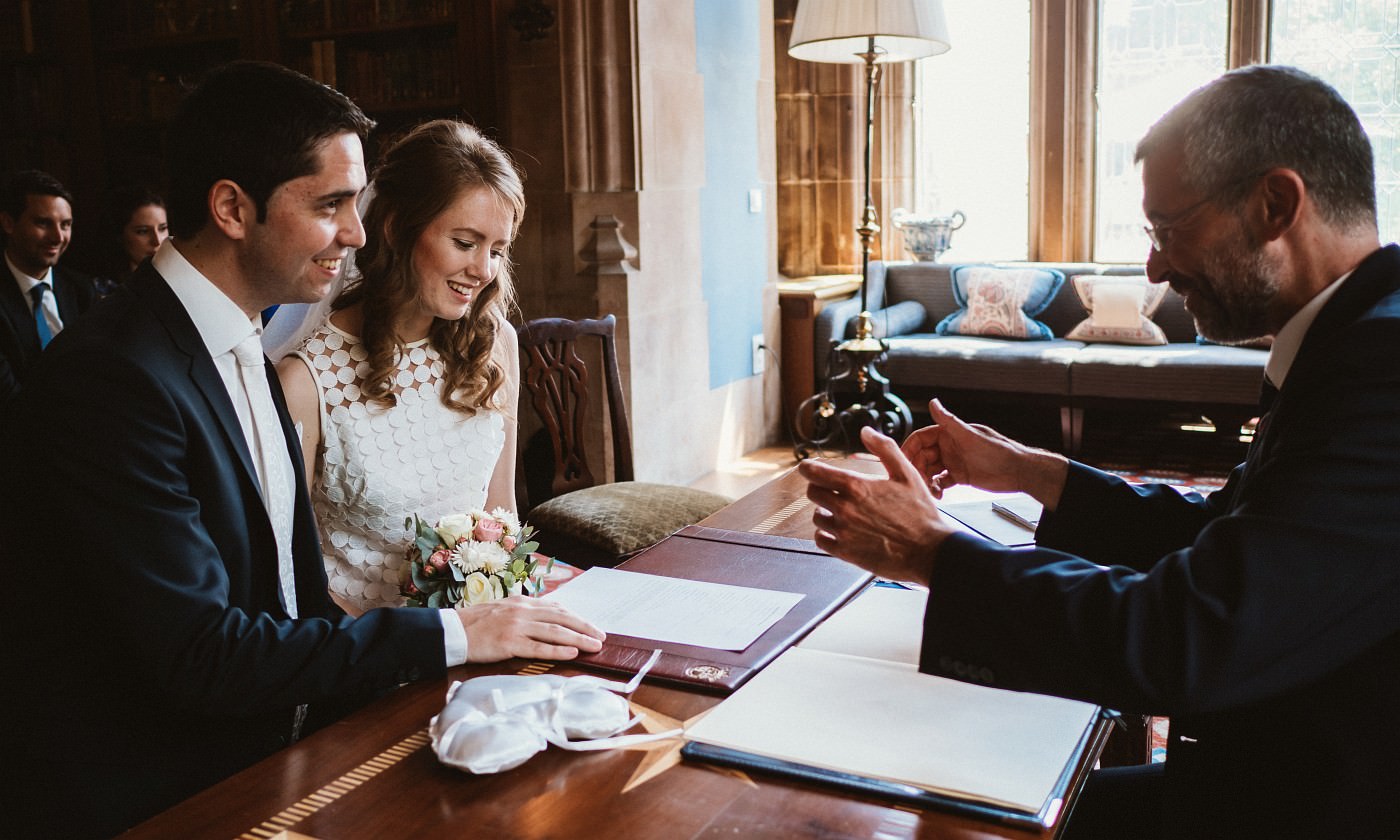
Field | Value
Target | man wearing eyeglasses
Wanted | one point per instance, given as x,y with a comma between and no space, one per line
1263,619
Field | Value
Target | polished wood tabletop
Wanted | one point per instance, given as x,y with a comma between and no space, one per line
374,775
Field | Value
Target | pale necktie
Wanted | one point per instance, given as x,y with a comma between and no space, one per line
270,455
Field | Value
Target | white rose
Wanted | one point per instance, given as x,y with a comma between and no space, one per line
476,589
497,591
455,526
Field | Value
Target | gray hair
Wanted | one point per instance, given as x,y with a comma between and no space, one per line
1260,117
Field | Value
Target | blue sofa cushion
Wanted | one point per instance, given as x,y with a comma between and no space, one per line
1001,302
903,317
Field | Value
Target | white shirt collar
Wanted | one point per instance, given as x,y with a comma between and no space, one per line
25,281
220,321
1290,339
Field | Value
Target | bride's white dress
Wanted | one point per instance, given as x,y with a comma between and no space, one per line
381,465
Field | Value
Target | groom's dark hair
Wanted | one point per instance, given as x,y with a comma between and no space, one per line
254,123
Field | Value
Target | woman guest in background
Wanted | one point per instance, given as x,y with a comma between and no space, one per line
138,227
406,393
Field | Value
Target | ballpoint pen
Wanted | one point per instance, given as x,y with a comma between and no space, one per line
1012,515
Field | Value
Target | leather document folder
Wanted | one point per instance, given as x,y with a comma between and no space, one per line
738,558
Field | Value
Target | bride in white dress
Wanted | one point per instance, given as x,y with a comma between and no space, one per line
406,394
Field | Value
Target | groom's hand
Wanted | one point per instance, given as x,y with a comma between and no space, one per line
530,628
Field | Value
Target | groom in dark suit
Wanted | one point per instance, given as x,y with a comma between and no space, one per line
36,216
169,621
1263,619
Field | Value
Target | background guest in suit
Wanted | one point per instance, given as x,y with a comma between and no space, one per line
153,458
136,227
36,215
1263,618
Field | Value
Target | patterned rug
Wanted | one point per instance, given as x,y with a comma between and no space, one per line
1184,481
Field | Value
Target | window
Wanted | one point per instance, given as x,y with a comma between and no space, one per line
1151,54
1100,72
973,104
1354,47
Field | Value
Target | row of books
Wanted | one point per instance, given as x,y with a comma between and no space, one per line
312,15
126,22
375,77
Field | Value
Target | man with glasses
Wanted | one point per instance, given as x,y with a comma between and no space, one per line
1263,619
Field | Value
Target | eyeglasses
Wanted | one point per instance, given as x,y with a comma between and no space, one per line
1160,234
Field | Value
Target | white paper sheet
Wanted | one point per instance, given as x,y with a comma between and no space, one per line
688,612
979,517
883,622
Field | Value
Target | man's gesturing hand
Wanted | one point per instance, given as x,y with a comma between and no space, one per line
526,627
887,525
954,452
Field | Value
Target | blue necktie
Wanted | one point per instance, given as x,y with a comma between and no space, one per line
40,322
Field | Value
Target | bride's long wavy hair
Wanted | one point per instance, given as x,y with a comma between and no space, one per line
420,176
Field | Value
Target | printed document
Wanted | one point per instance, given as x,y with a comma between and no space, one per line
667,609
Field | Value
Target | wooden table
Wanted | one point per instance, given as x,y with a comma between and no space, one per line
373,775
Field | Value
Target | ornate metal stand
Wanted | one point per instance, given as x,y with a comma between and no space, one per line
857,395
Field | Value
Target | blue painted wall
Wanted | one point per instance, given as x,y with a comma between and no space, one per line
733,249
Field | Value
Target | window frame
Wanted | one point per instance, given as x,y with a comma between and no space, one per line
1064,72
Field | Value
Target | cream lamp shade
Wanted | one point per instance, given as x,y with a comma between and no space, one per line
839,31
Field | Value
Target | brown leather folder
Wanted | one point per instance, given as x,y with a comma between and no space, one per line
738,558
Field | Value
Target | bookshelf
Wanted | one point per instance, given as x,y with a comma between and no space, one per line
402,61
46,90
88,87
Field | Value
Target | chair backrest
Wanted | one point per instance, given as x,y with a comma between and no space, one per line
557,380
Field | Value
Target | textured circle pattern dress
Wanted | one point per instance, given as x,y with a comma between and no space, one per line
382,465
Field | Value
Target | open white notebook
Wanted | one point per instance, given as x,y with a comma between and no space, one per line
850,700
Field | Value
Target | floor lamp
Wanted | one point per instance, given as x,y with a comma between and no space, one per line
869,32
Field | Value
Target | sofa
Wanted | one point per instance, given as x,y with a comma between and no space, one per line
910,299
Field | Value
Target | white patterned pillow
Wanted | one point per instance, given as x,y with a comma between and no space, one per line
1120,309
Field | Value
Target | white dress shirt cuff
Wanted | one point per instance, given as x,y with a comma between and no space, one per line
454,638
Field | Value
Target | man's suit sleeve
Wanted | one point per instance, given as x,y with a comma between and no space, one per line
1105,519
1298,579
143,596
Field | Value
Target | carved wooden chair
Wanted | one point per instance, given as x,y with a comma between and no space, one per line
586,521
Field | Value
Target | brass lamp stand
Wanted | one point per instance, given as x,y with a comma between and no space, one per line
857,395
871,32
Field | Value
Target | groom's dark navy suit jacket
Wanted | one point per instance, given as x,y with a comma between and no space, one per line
146,649
1265,619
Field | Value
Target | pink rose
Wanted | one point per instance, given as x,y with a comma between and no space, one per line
508,542
488,530
440,558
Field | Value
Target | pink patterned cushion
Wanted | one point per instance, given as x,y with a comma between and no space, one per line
999,302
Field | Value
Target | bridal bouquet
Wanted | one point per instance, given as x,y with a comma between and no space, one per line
468,558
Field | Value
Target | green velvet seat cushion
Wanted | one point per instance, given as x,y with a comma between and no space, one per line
624,517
